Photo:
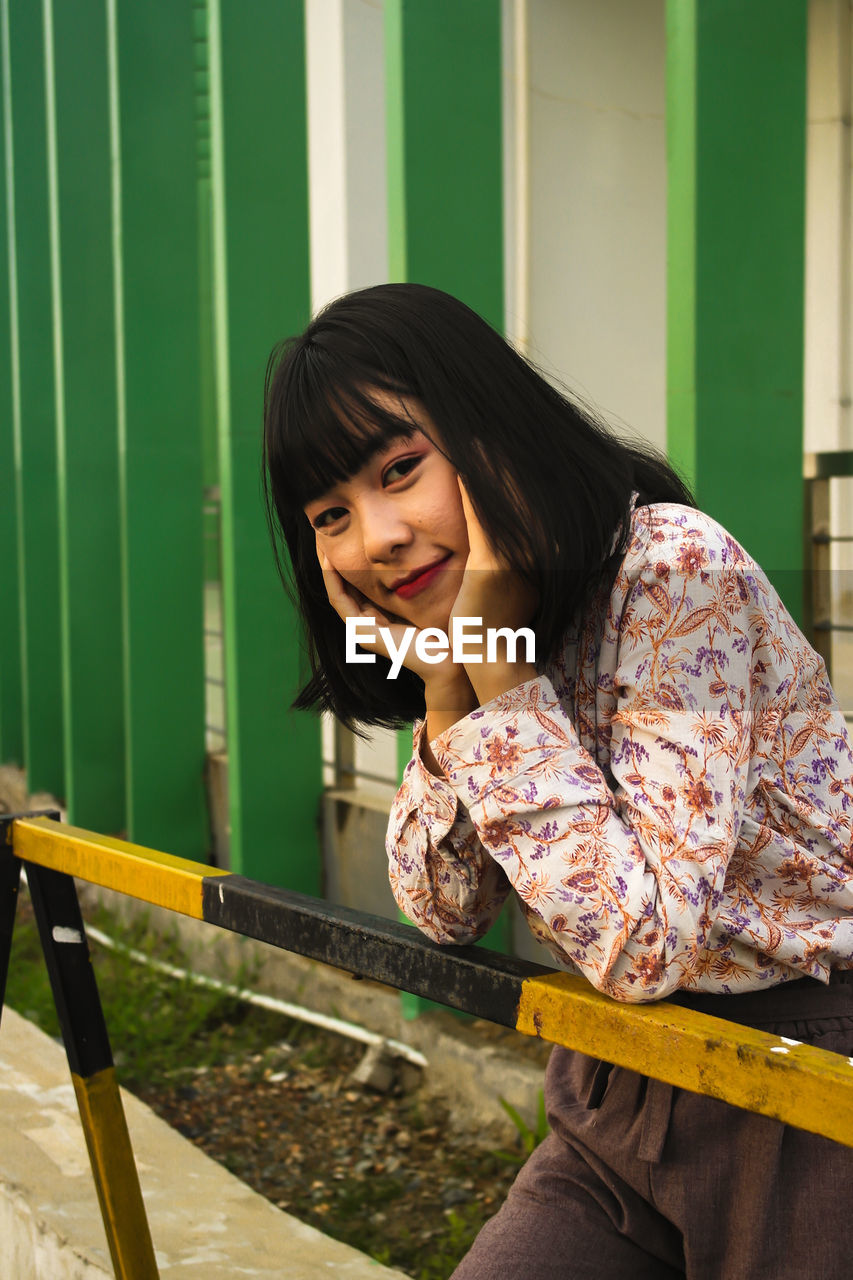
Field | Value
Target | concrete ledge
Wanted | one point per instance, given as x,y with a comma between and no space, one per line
205,1223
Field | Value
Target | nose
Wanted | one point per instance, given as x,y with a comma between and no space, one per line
384,529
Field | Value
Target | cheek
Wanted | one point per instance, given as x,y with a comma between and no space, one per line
341,554
444,518
351,568
455,527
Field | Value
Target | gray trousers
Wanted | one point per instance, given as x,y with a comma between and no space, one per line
641,1180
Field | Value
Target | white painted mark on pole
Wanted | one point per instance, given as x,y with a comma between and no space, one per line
61,933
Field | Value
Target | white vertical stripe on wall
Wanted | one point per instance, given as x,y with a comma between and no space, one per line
828,374
597,311
324,65
346,146
829,268
364,104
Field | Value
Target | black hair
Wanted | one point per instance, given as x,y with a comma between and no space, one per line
551,486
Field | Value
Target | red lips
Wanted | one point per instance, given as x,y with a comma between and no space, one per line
419,579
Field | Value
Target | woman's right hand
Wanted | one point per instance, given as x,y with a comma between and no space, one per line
448,692
350,604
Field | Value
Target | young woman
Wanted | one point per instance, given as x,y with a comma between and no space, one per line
666,784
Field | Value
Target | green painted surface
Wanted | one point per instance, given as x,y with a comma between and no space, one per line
87,445
444,140
33,401
257,80
207,371
11,706
736,112
445,193
445,179
156,258
681,238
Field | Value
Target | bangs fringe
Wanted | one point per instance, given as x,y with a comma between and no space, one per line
330,426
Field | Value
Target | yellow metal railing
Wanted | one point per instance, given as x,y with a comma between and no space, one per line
795,1083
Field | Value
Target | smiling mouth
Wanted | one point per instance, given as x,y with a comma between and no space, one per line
420,580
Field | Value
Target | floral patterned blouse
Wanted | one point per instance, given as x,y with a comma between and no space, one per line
672,800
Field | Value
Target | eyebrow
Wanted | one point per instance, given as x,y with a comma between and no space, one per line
332,433
371,450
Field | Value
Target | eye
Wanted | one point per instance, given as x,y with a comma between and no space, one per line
399,469
330,516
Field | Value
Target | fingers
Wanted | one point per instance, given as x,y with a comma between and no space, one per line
467,504
476,533
344,599
480,550
390,637
348,602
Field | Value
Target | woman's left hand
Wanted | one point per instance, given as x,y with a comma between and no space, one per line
498,597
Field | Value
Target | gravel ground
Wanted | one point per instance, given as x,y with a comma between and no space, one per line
380,1171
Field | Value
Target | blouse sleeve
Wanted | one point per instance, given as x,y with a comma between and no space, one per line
441,876
620,873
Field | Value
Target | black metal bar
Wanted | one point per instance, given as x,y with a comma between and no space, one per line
831,465
824,539
69,966
484,983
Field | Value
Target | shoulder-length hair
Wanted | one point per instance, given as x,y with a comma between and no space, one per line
552,487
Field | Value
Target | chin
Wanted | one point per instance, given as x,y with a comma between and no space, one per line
439,620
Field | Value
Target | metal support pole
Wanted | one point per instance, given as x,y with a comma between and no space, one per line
79,176
155,260
818,578
33,400
736,129
445,182
10,876
87,1046
260,235
11,704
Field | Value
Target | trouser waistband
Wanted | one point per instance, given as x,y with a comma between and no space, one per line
802,999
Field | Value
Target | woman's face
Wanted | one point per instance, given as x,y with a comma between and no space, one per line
396,530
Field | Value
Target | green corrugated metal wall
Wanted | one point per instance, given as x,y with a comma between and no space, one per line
155,174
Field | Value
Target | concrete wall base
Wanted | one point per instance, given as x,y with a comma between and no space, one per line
205,1223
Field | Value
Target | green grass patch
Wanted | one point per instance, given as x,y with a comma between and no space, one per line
159,1026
